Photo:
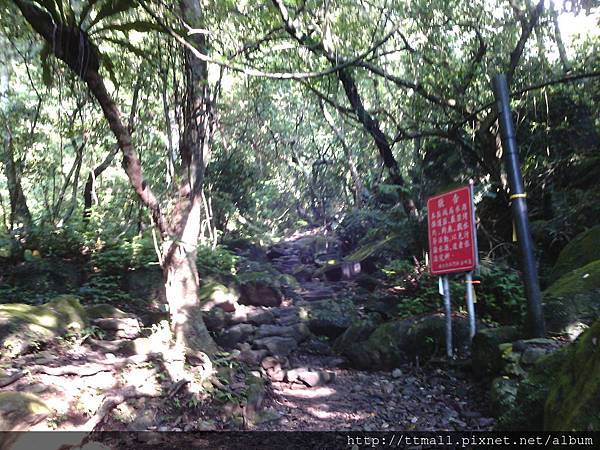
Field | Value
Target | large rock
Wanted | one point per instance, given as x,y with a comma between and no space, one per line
256,293
397,342
573,401
330,318
487,356
216,295
19,411
255,315
582,250
238,333
127,327
299,332
573,300
276,345
358,332
524,410
22,326
105,311
215,319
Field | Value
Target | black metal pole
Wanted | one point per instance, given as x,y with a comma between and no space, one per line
519,207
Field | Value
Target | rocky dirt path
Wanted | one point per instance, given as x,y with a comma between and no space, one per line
311,389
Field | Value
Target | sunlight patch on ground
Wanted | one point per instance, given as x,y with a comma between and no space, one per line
309,393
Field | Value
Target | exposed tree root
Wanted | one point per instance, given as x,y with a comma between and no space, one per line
111,402
95,366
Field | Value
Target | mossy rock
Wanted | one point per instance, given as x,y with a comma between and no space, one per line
105,311
19,411
288,281
329,318
487,356
573,299
573,401
213,294
527,411
23,326
582,250
358,332
397,342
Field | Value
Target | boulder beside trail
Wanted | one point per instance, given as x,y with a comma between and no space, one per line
216,295
330,318
582,250
557,391
276,345
397,342
486,353
519,402
23,326
573,401
19,411
573,302
260,294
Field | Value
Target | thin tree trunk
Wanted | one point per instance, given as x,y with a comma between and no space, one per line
358,185
91,182
179,262
105,164
73,202
19,211
558,39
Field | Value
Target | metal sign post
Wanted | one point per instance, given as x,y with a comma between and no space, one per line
448,312
469,275
453,247
519,207
470,303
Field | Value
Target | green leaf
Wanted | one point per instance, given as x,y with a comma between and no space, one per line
112,7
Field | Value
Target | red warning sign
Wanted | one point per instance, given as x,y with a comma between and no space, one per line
452,236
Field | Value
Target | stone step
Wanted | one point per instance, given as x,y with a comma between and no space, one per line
313,296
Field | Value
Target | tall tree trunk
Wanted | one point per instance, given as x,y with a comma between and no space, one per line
179,264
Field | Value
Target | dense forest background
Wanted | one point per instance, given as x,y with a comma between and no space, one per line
178,141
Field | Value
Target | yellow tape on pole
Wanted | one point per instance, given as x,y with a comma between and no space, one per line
512,197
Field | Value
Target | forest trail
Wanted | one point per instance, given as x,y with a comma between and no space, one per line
309,386
333,397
